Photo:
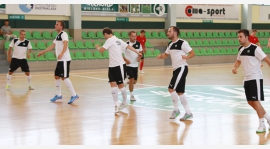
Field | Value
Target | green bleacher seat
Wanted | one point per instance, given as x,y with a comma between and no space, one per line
203,51
260,34
47,35
218,42
225,42
222,35
84,35
89,45
100,35
92,35
209,35
213,42
263,42
155,35
182,35
125,35
117,34
98,55
41,45
223,51
148,44
236,42
71,45
231,42
228,34
89,55
156,52
206,43
80,45
106,54
40,58
34,47
32,58
192,43
234,34
54,34
50,56
230,51
235,51
97,43
200,43
196,34
266,50
37,35
72,55
190,35
80,56
266,34
49,43
28,35
138,33
217,51
7,44
148,35
17,33
210,51
203,35
149,53
197,52
215,34
163,35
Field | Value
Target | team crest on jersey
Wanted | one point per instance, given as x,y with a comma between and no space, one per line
136,45
118,42
175,45
248,51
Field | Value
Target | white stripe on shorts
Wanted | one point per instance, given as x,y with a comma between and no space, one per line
65,68
258,89
179,77
122,72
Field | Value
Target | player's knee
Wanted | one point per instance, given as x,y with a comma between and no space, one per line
171,90
180,93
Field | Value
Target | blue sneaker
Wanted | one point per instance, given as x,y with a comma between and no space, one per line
73,98
56,98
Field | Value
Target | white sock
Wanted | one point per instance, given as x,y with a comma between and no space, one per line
115,95
175,100
70,86
131,93
8,79
29,79
261,121
58,84
184,102
267,117
124,95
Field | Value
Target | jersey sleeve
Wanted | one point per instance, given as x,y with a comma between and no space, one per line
11,43
259,53
107,44
140,48
186,47
29,45
64,36
123,44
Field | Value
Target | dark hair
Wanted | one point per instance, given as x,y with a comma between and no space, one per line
107,30
244,31
142,31
131,32
254,30
62,23
6,21
22,31
176,29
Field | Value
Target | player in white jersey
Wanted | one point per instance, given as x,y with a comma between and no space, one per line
250,56
178,49
22,47
131,60
117,66
60,44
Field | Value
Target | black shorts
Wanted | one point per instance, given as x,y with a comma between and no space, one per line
142,55
254,90
132,72
178,80
16,63
62,69
117,74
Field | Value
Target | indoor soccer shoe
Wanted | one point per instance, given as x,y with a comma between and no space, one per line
122,106
56,98
116,109
261,129
132,98
174,114
73,98
31,87
186,117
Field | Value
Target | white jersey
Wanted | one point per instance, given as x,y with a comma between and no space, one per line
176,50
20,48
250,58
115,47
59,45
132,56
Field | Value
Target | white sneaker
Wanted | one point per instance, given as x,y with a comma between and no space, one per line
7,87
116,109
141,71
175,114
261,129
132,98
30,87
122,106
